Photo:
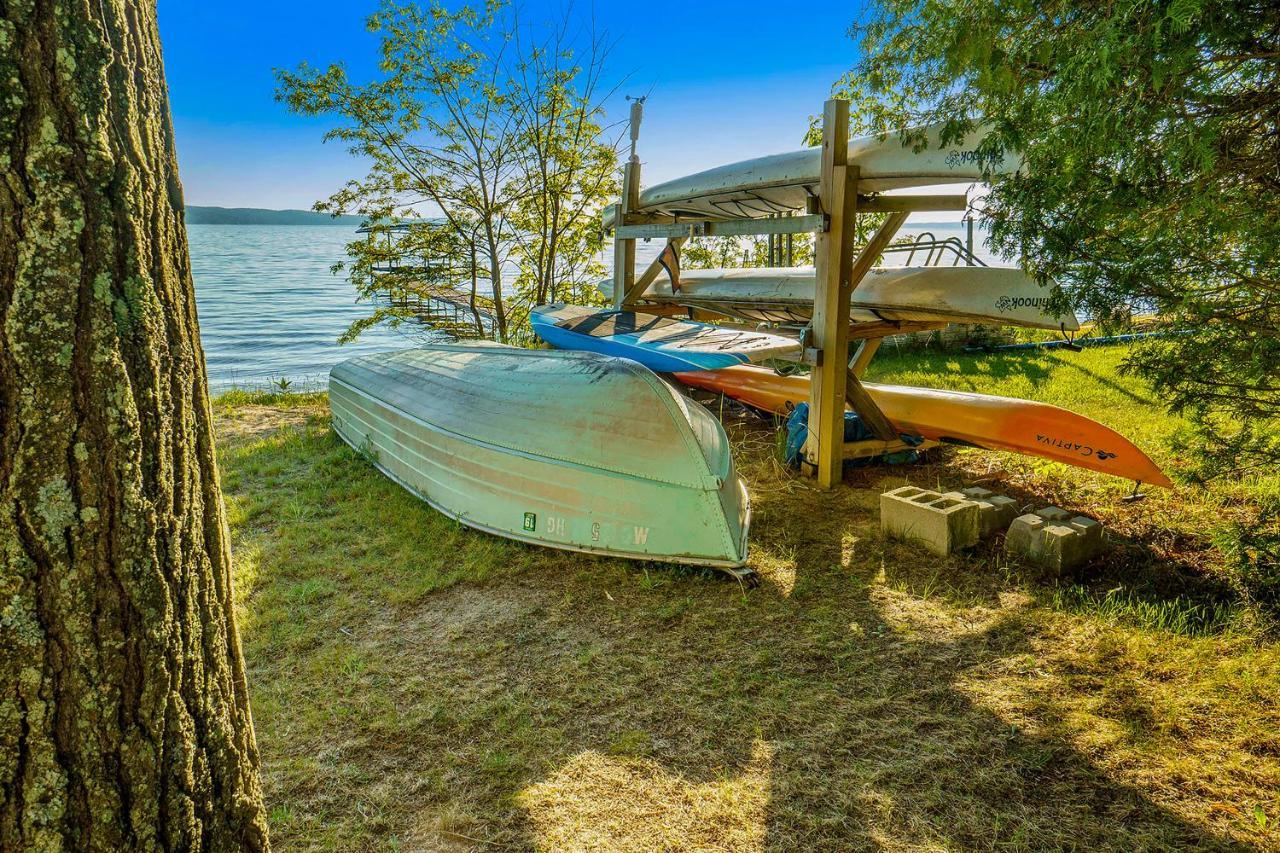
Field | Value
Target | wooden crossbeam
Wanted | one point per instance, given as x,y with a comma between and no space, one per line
858,366
650,275
720,228
885,328
868,411
875,246
875,447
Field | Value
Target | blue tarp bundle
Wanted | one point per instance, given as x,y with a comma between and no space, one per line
854,430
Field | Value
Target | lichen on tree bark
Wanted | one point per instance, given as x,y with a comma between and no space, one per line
124,713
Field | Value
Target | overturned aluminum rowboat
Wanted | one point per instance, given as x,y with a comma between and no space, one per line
566,449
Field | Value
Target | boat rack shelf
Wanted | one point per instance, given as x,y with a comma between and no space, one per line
936,251
810,223
831,215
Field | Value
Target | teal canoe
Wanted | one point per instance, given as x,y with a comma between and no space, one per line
571,450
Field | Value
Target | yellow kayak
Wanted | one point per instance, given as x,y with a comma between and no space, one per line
958,417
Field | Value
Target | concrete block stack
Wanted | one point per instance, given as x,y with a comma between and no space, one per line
995,512
952,521
1054,538
940,523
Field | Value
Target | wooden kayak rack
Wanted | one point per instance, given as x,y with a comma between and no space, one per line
839,269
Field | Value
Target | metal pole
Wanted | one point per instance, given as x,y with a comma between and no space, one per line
637,115
624,249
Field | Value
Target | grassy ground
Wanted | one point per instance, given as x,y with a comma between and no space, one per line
417,685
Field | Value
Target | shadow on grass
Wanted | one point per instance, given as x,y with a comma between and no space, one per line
422,685
957,369
851,692
1097,378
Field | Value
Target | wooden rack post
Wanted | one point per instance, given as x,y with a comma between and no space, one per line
624,248
833,261
835,379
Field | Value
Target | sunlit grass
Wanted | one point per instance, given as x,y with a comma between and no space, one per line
1178,615
417,685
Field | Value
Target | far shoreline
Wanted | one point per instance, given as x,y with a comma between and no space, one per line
208,215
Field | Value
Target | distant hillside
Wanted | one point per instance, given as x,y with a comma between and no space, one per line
260,216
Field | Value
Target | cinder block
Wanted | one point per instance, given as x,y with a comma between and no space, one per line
1024,536
1053,513
995,512
1054,539
940,523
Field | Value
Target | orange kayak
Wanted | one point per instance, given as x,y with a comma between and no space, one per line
958,417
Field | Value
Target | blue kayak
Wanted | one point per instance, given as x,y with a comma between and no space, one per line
661,344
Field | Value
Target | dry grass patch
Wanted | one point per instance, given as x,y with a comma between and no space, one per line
417,685
598,801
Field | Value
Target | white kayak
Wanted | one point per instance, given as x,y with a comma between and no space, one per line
995,295
783,183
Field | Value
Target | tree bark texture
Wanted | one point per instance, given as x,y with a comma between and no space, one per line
124,713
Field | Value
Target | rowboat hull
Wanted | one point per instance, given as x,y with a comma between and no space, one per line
957,417
1003,296
566,450
659,343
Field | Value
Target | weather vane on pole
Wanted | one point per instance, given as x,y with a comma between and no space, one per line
637,115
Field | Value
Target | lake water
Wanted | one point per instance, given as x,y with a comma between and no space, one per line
270,308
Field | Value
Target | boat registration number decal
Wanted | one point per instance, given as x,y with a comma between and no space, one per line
552,525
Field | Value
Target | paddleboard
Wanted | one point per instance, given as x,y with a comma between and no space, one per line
783,183
659,343
996,295
958,417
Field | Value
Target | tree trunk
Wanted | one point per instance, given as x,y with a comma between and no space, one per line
124,712
495,285
475,312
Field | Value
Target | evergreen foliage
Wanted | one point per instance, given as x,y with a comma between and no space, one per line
1150,133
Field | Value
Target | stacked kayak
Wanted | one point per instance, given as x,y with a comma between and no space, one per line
787,183
715,358
969,294
957,417
565,449
782,183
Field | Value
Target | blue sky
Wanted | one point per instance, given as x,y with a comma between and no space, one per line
727,81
